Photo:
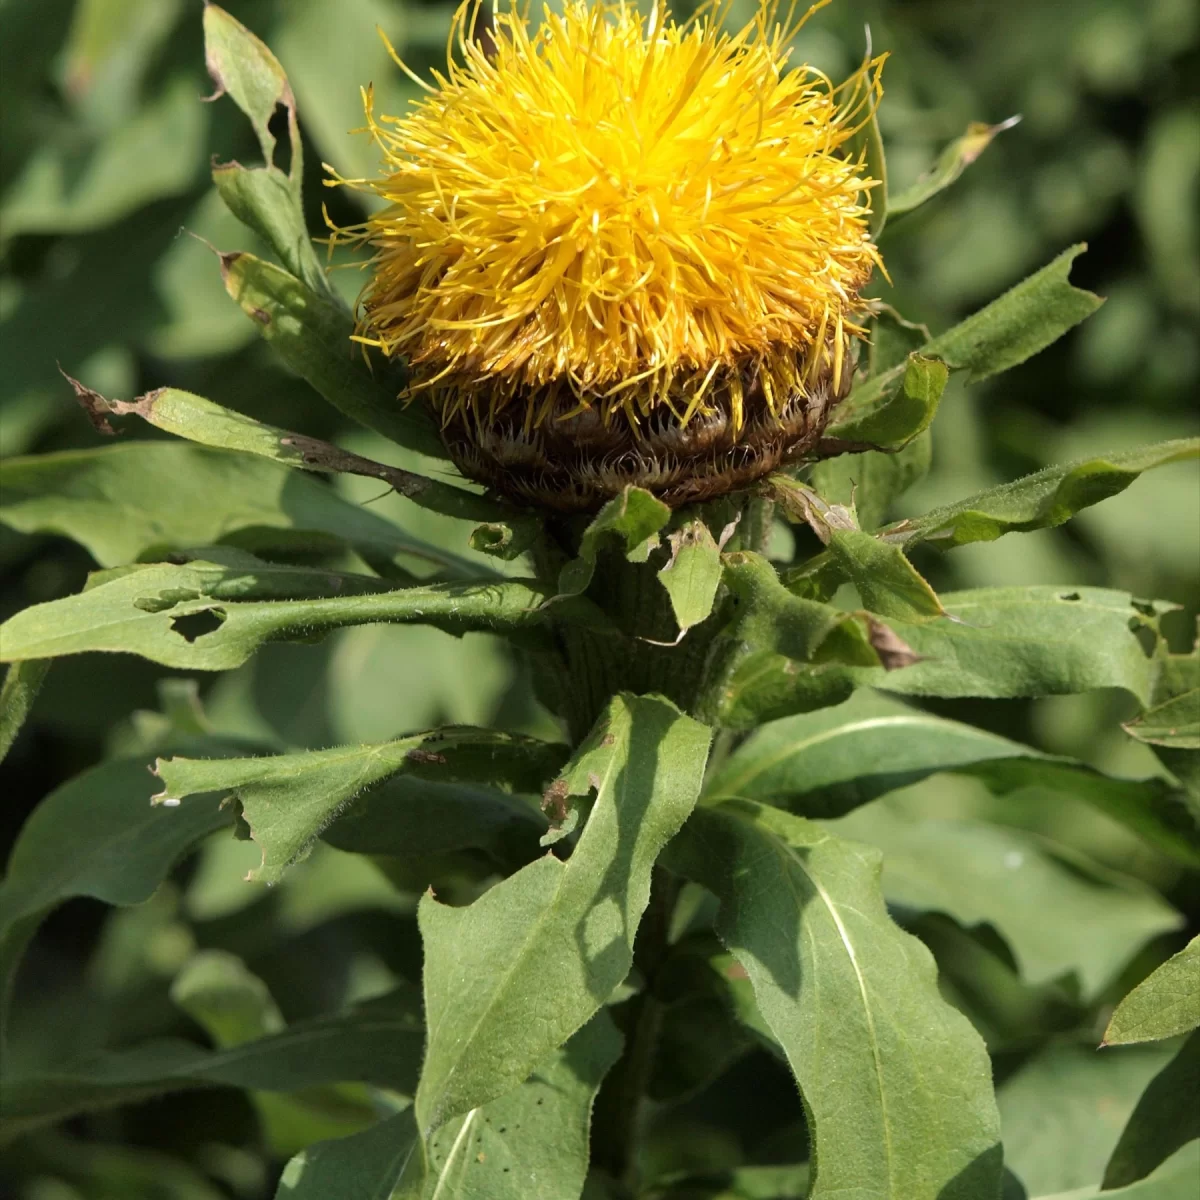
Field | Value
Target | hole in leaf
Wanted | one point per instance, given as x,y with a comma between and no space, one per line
277,126
196,625
1070,596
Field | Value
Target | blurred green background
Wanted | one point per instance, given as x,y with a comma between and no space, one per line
104,157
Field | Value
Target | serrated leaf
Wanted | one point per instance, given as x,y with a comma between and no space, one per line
826,763
98,836
125,501
554,929
898,413
1163,1120
264,199
313,337
693,574
288,799
633,518
147,612
896,1084
951,163
379,1043
1163,1005
981,874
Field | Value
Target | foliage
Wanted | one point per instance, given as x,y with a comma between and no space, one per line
751,851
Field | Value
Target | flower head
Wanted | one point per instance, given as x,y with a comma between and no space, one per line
616,244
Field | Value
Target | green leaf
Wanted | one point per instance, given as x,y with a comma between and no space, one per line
379,1043
1174,724
139,499
634,518
951,163
371,1165
200,420
532,1142
313,337
146,612
1033,641
1163,1120
546,947
1163,1005
1063,1111
983,874
898,413
867,142
871,481
826,763
264,199
1174,1180
887,582
781,653
692,575
288,799
22,682
416,821
896,1084
96,835
1022,322
1039,501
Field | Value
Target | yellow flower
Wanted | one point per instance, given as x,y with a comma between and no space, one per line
619,249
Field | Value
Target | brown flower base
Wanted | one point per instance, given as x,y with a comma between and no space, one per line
576,463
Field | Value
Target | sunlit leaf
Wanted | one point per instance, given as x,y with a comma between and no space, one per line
1163,1005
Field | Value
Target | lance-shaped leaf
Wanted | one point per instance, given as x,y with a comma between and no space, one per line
1163,1005
1042,500
98,836
265,199
199,420
633,519
897,413
1022,322
288,799
1032,641
125,501
896,1083
1039,501
1163,1120
313,335
185,616
379,1043
513,975
827,763
951,163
